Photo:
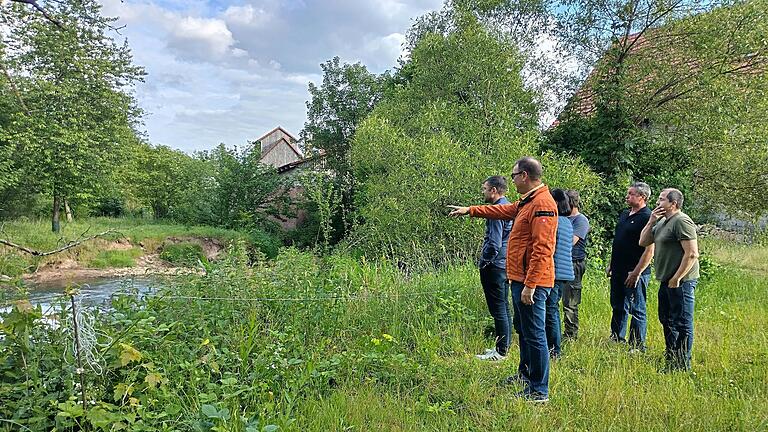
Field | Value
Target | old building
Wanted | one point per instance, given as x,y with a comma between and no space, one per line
279,148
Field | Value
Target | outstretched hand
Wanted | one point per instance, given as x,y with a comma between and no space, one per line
457,211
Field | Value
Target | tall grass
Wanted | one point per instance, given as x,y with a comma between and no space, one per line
335,343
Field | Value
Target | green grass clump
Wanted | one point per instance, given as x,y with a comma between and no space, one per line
115,258
184,253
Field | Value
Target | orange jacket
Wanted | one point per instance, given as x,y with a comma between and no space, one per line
531,246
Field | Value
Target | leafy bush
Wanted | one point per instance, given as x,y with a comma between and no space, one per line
462,116
266,243
185,253
109,206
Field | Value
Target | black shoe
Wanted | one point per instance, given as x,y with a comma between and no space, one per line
535,397
515,379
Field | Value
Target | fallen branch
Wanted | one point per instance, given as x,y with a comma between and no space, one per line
67,246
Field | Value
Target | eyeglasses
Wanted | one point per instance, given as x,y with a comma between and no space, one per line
515,174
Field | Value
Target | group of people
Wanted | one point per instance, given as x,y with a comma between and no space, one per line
536,248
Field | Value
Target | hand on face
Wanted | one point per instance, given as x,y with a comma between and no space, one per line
658,213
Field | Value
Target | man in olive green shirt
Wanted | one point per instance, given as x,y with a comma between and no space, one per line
677,268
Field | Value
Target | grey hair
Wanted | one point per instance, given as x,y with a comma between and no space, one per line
643,189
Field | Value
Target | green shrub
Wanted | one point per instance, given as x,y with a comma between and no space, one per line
463,116
268,244
185,253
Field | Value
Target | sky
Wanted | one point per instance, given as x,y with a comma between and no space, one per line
228,72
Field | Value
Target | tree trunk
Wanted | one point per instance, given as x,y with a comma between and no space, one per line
67,210
55,224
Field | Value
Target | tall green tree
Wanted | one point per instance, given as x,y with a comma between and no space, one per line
348,93
461,114
247,193
662,90
78,111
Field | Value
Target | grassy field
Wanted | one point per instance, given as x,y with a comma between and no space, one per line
597,385
37,235
335,343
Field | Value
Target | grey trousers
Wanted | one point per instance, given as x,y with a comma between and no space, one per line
572,299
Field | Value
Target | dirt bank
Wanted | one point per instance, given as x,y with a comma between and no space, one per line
67,267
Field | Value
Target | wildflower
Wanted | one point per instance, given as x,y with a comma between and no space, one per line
387,337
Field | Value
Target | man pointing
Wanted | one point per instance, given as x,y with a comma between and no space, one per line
530,269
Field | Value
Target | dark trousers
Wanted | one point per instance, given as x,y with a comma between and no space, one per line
572,300
494,282
676,316
554,334
627,302
529,322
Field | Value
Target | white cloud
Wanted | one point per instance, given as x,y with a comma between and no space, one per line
206,37
247,15
230,72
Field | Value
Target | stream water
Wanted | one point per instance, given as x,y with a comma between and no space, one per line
93,292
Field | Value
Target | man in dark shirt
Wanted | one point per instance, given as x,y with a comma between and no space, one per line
629,269
493,275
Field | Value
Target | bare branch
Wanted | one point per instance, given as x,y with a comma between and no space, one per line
69,245
47,16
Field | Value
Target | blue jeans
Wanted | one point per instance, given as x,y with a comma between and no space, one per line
529,322
629,301
676,316
554,334
494,282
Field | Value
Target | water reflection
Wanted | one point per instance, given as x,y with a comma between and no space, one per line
93,292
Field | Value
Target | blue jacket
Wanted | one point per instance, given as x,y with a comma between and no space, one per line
494,251
563,248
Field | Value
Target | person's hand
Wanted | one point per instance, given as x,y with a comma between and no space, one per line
526,297
673,283
631,280
458,211
608,271
656,214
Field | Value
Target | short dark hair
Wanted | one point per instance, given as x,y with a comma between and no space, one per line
562,201
574,198
675,196
531,166
498,182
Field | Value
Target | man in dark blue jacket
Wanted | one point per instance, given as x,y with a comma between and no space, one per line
493,274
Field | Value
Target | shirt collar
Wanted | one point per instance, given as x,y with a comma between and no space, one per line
530,192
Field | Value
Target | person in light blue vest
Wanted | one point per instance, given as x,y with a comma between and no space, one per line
563,270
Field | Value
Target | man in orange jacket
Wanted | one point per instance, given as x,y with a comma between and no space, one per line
530,270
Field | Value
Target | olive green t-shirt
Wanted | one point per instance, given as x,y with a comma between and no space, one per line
668,254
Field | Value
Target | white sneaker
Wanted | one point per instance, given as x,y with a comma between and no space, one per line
491,355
